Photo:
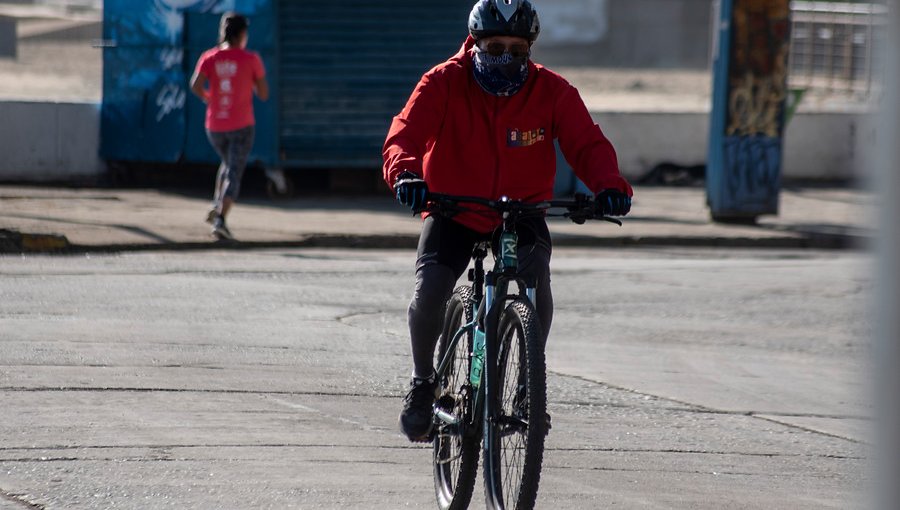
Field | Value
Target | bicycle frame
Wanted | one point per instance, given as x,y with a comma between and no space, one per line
489,298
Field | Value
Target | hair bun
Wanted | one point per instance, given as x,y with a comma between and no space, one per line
231,26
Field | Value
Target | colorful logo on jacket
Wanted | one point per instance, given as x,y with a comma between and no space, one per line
524,138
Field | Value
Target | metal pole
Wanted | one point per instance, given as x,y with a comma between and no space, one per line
887,343
811,51
870,22
830,49
849,32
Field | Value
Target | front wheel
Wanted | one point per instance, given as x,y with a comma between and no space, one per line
514,440
455,447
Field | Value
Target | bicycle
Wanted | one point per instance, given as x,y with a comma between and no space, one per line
491,370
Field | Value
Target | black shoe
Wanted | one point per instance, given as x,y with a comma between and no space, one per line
416,417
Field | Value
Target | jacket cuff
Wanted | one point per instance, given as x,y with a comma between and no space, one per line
615,182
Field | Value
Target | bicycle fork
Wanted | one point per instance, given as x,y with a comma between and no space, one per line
485,353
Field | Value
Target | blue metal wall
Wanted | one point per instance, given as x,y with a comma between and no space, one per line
148,112
339,70
348,66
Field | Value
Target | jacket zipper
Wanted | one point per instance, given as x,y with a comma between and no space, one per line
497,149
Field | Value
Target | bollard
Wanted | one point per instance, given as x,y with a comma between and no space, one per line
8,38
750,56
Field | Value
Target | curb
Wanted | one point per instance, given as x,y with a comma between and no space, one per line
12,241
56,244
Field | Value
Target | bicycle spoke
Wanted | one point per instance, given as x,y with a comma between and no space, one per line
452,439
513,463
513,431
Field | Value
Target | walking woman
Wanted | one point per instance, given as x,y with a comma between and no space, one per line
233,75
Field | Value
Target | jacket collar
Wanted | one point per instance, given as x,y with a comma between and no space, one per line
464,55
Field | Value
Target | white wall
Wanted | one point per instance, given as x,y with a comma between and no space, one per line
565,22
819,146
42,142
624,33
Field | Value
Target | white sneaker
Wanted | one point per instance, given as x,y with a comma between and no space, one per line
220,230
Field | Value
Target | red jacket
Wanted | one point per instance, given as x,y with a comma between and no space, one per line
465,141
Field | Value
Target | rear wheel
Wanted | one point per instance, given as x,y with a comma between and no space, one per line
514,441
456,447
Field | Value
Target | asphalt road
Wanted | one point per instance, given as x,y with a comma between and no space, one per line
272,379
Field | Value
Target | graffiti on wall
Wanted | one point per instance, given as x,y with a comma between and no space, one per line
757,83
145,73
167,14
168,17
171,98
753,166
758,71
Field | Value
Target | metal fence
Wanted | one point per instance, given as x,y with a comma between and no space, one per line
835,47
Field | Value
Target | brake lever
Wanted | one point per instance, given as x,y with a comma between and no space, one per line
578,217
609,219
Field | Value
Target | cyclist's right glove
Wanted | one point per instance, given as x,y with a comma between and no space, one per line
411,190
611,202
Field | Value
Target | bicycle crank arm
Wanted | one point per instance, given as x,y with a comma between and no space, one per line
446,417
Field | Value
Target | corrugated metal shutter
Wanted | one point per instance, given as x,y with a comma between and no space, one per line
348,66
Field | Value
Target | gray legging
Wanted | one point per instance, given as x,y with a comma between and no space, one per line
233,147
445,248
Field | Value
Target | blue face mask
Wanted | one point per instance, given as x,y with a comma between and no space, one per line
501,76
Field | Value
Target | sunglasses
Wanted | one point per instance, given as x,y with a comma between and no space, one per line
496,49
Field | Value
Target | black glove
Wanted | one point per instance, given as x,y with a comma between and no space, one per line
411,190
611,202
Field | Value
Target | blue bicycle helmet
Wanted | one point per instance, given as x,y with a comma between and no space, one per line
514,18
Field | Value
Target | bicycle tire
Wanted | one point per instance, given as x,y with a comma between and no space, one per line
456,456
513,444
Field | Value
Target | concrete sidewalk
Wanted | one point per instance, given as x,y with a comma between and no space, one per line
43,219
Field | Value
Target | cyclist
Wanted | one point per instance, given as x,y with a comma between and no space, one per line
482,124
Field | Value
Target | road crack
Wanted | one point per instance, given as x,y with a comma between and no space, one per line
20,499
708,452
681,471
206,445
700,409
64,389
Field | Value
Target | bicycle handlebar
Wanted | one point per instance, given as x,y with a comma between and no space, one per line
580,209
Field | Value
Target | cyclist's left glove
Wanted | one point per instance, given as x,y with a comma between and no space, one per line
611,202
411,190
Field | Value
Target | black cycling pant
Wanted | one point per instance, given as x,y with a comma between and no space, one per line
445,249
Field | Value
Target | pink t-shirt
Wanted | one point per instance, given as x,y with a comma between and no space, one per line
231,73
